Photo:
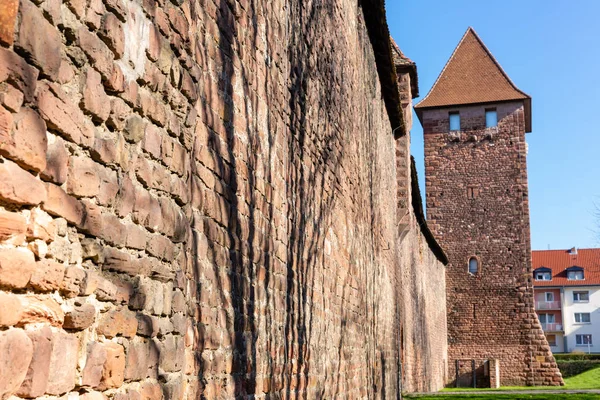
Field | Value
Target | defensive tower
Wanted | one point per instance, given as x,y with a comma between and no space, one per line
474,121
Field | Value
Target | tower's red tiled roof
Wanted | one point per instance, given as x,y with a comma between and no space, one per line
559,260
471,76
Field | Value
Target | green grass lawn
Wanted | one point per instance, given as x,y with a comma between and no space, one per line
586,380
489,396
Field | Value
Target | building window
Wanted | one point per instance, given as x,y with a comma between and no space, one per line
543,276
583,318
473,265
575,273
581,297
549,296
472,192
547,318
491,118
454,121
583,340
551,340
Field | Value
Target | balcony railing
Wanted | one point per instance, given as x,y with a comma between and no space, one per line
547,305
552,327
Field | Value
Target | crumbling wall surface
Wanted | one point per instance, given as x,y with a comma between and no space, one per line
477,206
197,200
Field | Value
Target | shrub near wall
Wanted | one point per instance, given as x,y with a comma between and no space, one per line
576,367
576,356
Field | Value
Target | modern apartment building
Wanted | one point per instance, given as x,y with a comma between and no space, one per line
567,298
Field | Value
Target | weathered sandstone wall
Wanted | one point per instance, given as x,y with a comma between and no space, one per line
197,199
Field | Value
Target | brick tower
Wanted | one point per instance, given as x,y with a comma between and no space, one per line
474,121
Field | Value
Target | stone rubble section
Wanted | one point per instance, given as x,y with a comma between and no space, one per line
197,200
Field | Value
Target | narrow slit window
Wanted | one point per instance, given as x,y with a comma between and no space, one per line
473,265
454,121
491,118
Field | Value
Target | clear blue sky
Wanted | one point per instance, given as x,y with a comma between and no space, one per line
551,50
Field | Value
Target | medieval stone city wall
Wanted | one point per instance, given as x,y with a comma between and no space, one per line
477,206
197,200
424,327
423,273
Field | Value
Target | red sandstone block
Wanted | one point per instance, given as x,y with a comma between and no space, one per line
11,97
63,363
83,178
81,317
36,380
117,7
41,309
62,205
109,186
8,17
57,160
78,7
66,72
136,236
15,70
95,99
26,143
94,13
12,227
112,34
116,82
17,350
19,186
62,115
39,40
152,108
53,12
152,141
47,276
41,226
111,229
142,361
153,50
73,281
119,322
97,52
6,125
11,309
119,112
125,199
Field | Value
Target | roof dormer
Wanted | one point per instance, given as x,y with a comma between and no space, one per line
542,274
575,273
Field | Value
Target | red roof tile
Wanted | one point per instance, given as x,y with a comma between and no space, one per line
559,260
472,76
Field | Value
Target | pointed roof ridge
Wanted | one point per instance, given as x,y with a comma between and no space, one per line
446,65
512,92
472,30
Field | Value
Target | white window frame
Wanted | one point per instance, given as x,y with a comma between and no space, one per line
580,339
578,295
546,315
580,315
545,276
549,298
571,275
